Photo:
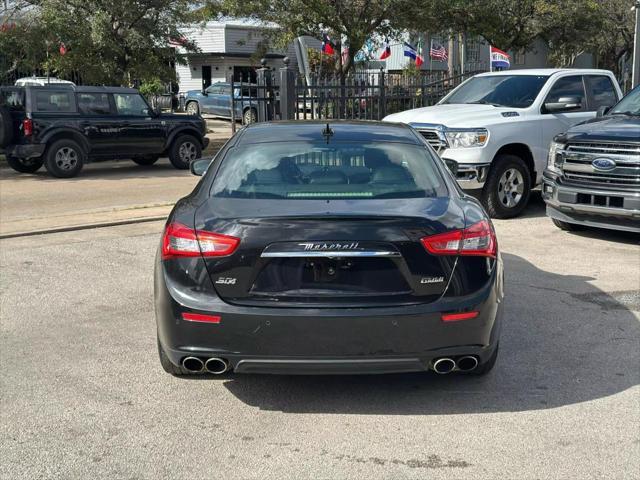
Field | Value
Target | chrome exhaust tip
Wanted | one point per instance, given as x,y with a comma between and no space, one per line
468,363
443,366
193,364
216,366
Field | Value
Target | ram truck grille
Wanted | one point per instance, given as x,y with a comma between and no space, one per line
434,139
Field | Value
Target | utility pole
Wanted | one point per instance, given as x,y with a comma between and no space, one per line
635,79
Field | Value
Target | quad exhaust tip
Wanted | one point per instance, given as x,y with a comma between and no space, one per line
193,364
468,363
216,366
443,366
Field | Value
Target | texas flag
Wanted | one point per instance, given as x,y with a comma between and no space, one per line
499,59
387,51
327,46
411,52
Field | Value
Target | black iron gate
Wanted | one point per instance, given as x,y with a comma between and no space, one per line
370,95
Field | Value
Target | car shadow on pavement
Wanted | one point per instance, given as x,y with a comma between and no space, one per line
536,208
563,342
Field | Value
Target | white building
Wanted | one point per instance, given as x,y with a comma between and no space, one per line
230,48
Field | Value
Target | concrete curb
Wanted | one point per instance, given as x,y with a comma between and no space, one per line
87,226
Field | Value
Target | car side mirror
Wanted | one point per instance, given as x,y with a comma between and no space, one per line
564,104
602,110
200,166
204,92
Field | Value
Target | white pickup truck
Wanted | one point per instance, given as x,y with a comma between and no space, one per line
494,130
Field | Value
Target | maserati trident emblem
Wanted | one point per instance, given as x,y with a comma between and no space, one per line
603,164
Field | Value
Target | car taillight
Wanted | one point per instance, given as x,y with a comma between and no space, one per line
181,241
479,240
27,127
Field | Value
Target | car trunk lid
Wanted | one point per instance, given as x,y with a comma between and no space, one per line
356,253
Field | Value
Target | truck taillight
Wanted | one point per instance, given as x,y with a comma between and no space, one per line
27,127
478,240
181,241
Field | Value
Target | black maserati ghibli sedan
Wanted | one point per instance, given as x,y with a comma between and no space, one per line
314,248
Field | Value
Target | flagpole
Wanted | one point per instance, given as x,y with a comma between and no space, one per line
490,62
430,59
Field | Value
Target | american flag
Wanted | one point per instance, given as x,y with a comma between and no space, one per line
438,52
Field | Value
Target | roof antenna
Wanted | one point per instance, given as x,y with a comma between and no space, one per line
327,133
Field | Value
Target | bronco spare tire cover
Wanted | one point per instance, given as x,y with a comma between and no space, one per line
6,126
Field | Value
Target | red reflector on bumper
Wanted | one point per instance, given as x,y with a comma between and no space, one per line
454,317
198,317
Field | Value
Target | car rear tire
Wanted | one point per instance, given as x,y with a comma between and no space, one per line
168,366
146,160
508,187
64,158
184,150
25,165
249,116
193,108
566,226
487,366
6,127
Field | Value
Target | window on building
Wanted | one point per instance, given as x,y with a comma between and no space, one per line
472,50
519,58
244,74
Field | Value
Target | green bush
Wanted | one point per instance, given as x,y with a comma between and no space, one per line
151,88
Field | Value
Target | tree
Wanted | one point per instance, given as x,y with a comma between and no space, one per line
570,28
615,40
567,27
506,24
108,41
349,23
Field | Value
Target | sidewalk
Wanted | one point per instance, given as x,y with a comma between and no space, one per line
108,192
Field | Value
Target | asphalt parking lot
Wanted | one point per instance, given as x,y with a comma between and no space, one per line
83,394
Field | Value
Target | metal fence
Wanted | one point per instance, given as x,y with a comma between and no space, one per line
371,96
367,95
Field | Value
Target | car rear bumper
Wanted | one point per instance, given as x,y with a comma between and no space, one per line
619,210
327,341
34,150
338,365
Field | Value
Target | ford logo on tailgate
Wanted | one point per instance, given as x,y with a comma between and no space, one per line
603,164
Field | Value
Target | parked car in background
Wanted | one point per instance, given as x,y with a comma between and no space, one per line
315,248
41,82
494,130
593,175
216,100
63,127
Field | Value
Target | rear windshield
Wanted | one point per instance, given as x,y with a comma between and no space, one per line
303,171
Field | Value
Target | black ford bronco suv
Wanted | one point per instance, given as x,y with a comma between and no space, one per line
63,127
